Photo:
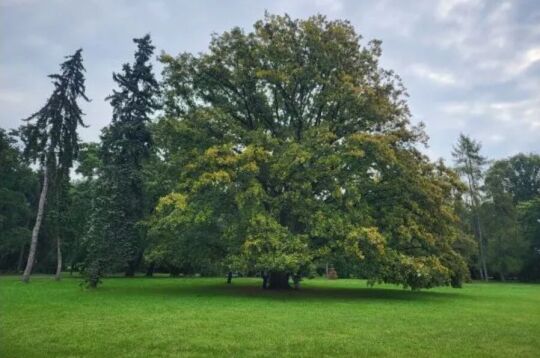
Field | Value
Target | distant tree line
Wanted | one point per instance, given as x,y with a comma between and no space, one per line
275,153
501,211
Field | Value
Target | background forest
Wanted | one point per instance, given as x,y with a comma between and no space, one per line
276,153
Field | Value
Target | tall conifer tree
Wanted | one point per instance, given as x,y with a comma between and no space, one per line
470,164
51,139
126,143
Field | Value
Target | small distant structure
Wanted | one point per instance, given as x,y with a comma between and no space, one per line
331,274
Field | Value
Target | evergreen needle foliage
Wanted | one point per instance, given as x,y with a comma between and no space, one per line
50,138
114,240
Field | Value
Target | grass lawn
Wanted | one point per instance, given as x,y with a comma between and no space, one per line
167,317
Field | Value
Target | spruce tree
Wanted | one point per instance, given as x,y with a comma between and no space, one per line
126,143
51,139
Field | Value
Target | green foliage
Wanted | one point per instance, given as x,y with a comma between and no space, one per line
298,149
506,245
529,218
119,204
517,177
513,185
470,165
81,193
88,161
52,138
18,192
469,161
509,186
279,150
288,75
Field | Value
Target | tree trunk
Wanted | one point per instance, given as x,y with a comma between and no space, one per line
58,275
296,281
21,257
133,265
37,226
480,258
473,192
480,269
486,274
174,271
278,281
265,278
93,274
229,277
482,247
93,281
150,269
130,270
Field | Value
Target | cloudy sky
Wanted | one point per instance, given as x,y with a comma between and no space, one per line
469,66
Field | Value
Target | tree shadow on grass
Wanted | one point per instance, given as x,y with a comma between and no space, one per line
252,290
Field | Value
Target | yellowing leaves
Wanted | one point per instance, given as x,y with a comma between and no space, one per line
171,201
221,155
250,167
378,146
296,147
365,241
214,178
356,152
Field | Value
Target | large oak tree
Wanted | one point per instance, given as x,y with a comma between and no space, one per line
298,148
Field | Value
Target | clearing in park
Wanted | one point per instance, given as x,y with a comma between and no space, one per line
165,317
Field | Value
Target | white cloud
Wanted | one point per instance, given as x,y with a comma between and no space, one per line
439,77
523,62
524,114
447,8
6,3
497,138
326,7
476,61
11,97
331,6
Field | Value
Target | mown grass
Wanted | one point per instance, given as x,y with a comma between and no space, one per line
164,317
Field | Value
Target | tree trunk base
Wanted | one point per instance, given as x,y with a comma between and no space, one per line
58,275
92,283
278,281
35,231
150,270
